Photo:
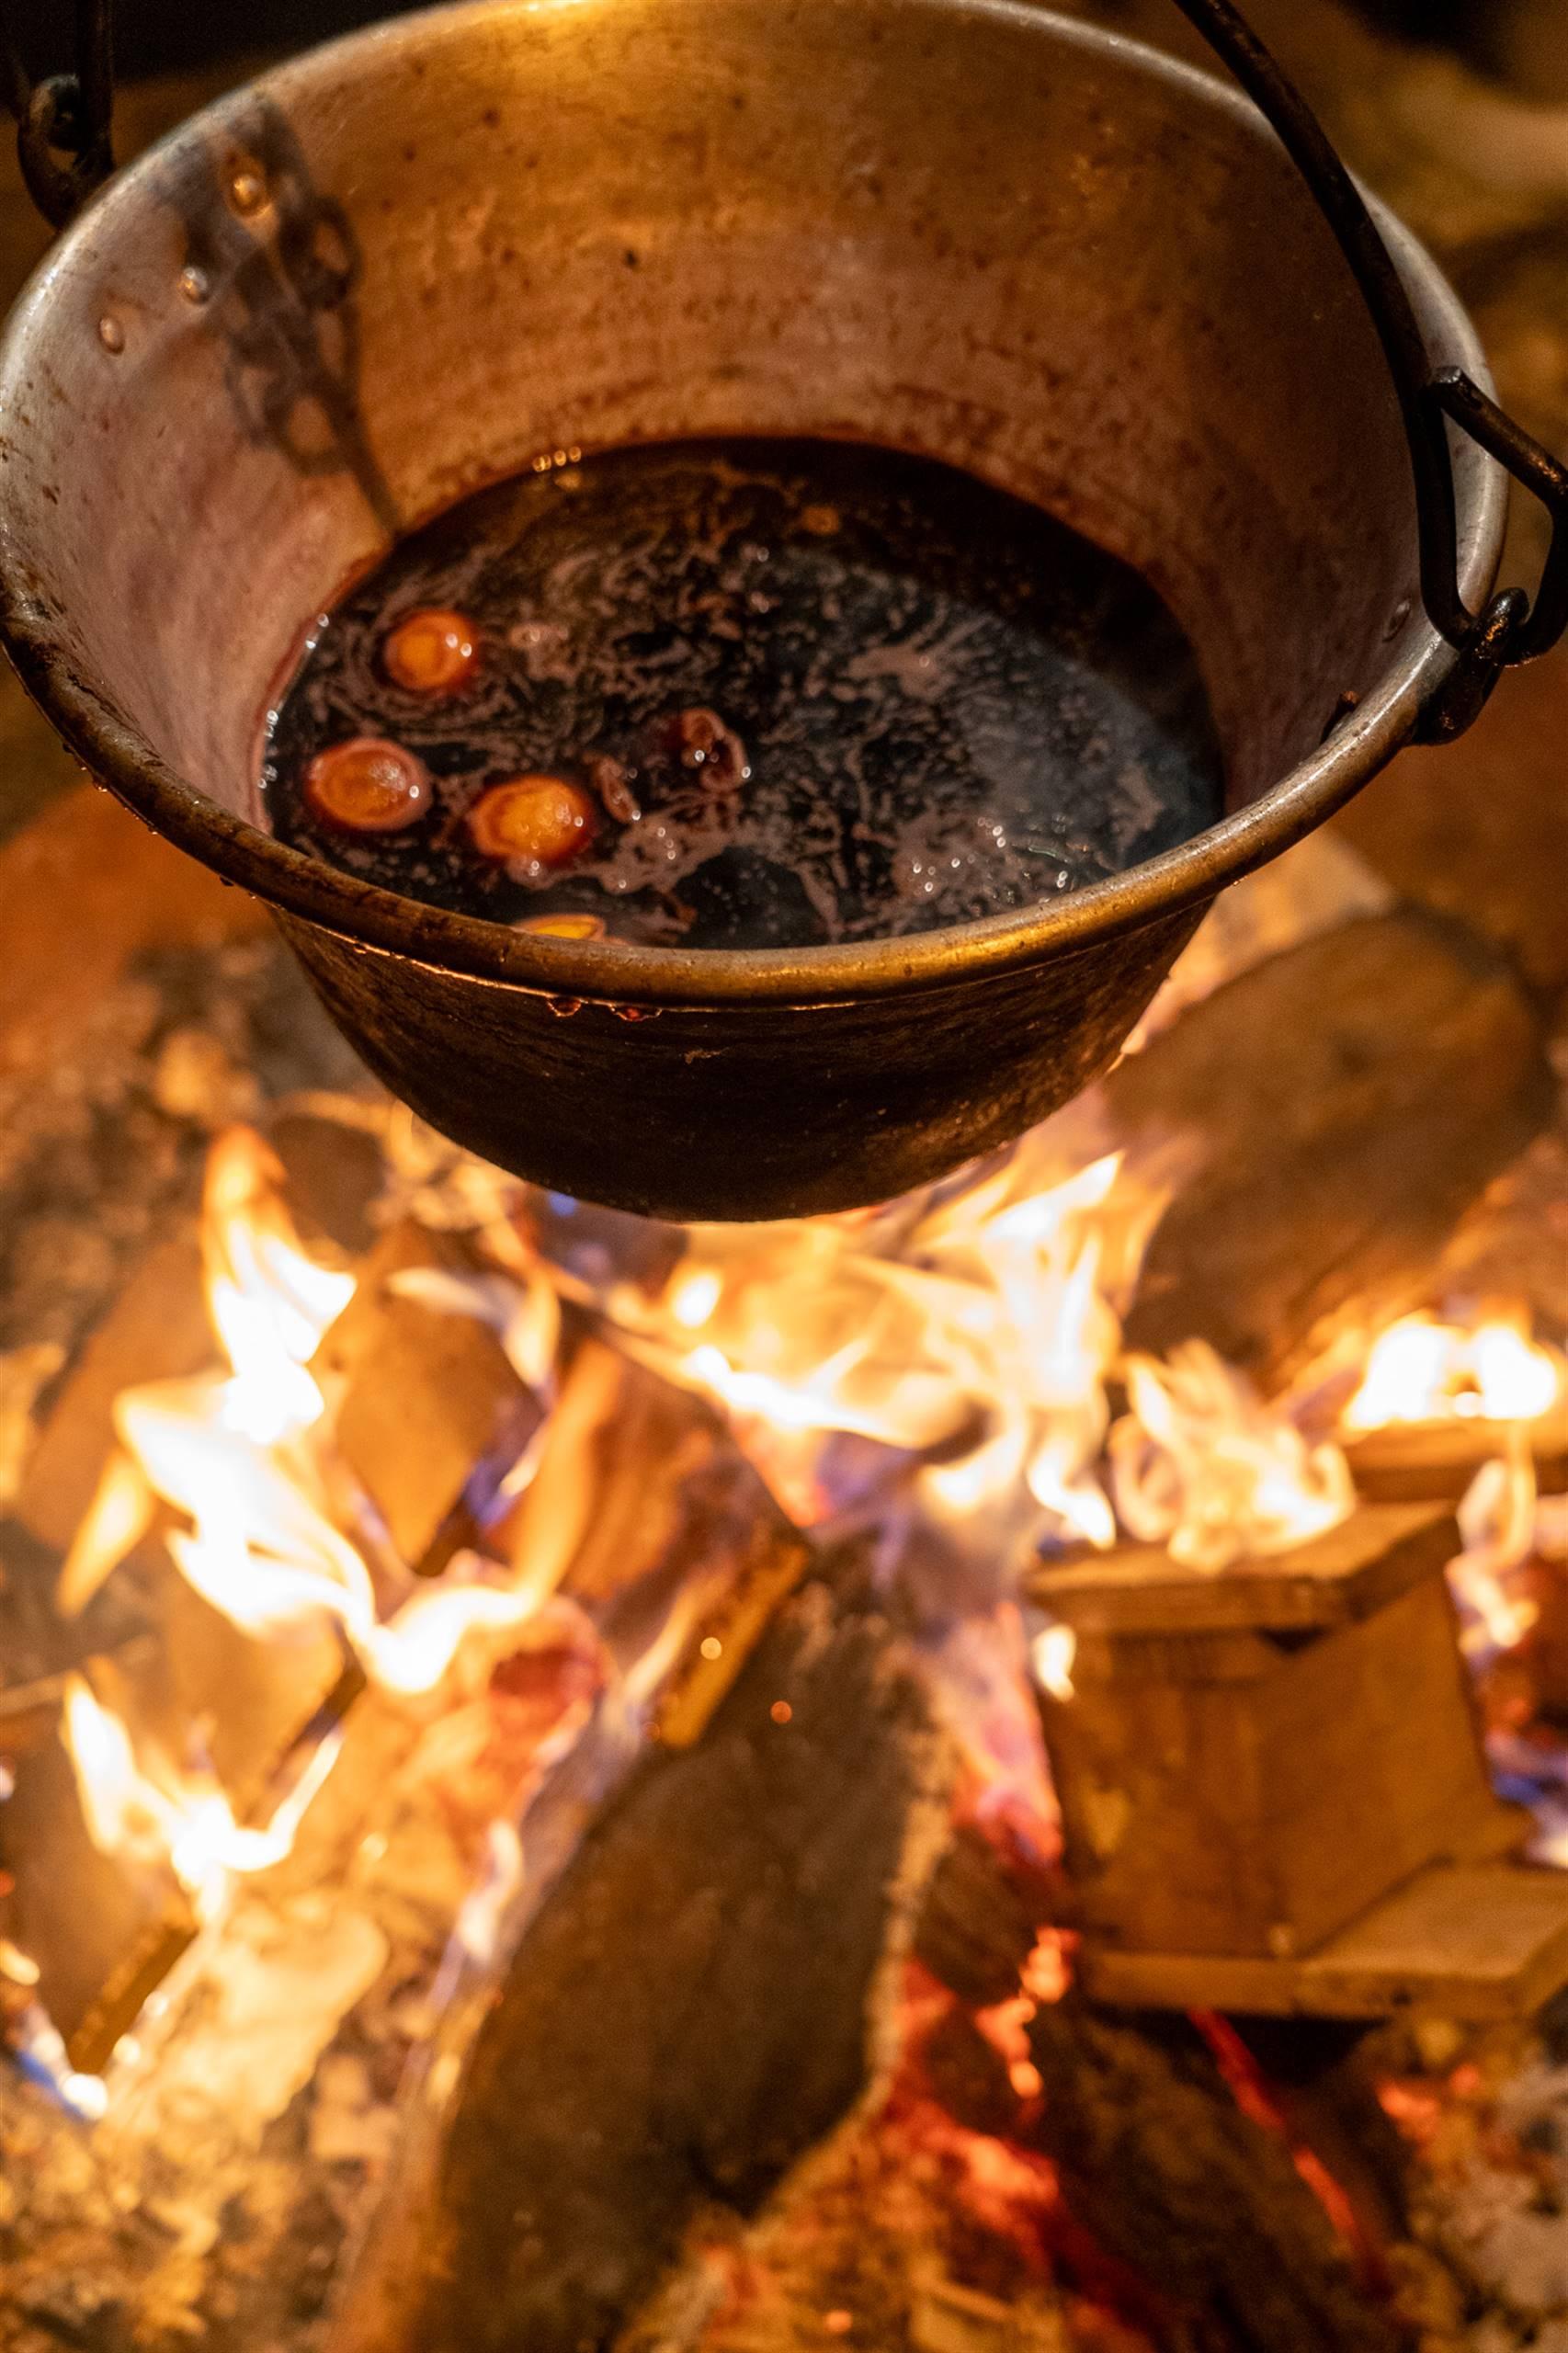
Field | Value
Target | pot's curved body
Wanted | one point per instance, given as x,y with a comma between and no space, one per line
693,1112
435,253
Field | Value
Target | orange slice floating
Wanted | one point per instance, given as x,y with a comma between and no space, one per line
432,652
564,926
538,820
369,786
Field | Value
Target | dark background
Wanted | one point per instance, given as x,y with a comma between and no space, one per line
158,36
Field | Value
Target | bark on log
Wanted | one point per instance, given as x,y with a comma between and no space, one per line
1162,2167
1348,1101
1156,2160
691,2008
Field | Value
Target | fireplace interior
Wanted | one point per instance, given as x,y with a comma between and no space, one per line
983,1776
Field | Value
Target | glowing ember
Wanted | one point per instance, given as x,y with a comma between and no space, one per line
1423,1370
1048,1971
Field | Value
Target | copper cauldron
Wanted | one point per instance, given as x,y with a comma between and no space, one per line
409,262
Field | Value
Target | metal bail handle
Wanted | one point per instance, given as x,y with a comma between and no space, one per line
1512,629
63,143
63,121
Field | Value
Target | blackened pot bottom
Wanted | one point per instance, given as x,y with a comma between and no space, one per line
805,692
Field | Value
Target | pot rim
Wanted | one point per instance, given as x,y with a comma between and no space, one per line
621,971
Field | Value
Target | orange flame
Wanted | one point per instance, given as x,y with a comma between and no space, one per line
975,1323
242,1454
1424,1370
1202,1465
183,1821
1497,1522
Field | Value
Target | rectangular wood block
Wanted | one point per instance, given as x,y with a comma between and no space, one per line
1435,1461
1472,1941
1249,1760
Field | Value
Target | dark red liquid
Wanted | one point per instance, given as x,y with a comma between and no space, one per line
936,701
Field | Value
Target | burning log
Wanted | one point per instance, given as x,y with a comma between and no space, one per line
644,1512
1273,1789
1194,2190
1348,1099
100,1929
690,2008
158,1329
1163,2166
1436,1400
334,1169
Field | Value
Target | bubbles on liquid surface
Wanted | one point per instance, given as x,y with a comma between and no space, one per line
748,694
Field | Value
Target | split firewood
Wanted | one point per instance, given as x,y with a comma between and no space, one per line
430,1415
689,2009
1325,2093
157,1330
101,1931
239,1699
103,1925
979,1921
1247,1762
1347,1101
1435,1461
334,1170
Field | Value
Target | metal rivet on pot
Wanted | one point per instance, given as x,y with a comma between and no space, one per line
195,284
1397,619
111,335
563,1007
247,191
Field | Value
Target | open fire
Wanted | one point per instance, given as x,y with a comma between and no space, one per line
944,1384
953,1355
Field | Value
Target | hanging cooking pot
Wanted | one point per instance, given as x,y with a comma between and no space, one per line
410,262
